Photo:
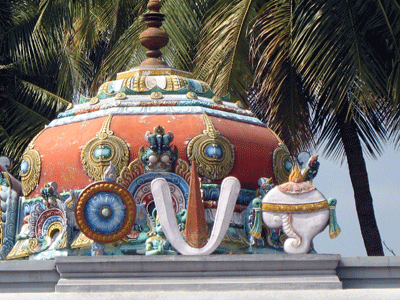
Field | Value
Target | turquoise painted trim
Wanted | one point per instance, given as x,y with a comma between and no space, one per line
155,110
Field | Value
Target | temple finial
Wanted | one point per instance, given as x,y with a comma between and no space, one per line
154,38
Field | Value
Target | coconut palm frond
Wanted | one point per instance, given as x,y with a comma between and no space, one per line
331,49
182,23
370,129
39,99
334,53
27,48
281,99
19,125
25,109
222,59
390,11
73,73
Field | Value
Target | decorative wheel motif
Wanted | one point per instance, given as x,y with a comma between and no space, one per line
141,190
213,153
282,164
105,212
103,149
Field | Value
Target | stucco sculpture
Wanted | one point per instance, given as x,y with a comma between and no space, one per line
156,163
299,209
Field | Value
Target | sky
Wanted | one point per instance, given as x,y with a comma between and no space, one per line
333,181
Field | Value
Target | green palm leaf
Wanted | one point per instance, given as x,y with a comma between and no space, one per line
222,59
334,50
281,99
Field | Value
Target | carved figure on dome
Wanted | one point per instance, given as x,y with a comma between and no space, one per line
110,174
311,169
265,185
141,228
69,206
158,244
255,236
159,156
24,232
6,179
299,209
50,195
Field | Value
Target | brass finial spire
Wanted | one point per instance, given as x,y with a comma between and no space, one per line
154,38
196,226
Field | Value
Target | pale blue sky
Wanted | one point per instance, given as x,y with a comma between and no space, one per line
333,181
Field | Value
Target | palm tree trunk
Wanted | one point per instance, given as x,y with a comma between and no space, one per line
360,183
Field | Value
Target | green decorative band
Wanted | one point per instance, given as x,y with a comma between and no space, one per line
295,207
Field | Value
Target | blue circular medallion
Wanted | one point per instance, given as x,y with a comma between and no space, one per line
105,212
24,166
288,165
214,151
102,151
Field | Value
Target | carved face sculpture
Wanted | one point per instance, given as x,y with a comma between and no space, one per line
159,156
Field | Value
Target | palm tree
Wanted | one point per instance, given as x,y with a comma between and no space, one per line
346,54
52,52
28,71
315,68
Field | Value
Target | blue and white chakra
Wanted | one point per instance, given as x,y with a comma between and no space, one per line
105,213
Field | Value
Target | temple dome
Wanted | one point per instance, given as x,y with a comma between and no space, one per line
154,119
218,134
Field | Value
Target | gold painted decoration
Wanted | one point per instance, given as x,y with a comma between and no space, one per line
104,148
81,241
191,95
282,164
307,207
120,96
129,173
54,228
183,169
30,169
30,174
18,251
217,99
105,212
156,95
213,153
94,101
33,242
239,104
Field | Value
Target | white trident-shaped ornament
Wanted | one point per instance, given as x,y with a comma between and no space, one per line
230,189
